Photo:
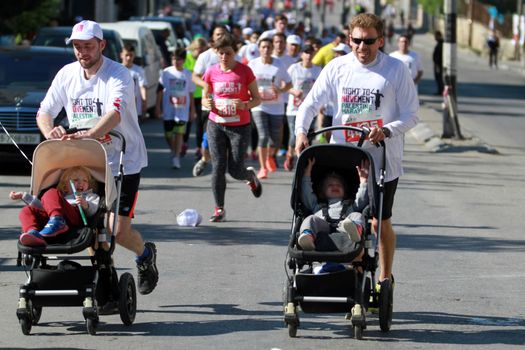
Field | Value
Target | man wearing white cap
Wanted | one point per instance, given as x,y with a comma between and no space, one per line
341,50
97,95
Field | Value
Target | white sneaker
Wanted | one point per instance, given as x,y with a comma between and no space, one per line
175,162
350,228
306,241
199,167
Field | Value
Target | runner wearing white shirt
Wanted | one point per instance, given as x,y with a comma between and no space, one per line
303,74
371,89
139,78
175,94
272,81
97,93
410,58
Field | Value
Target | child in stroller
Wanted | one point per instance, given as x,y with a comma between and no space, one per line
337,223
59,208
95,286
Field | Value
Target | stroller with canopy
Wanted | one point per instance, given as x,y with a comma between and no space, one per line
95,286
351,287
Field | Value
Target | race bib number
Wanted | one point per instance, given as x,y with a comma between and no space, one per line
226,107
267,93
179,101
353,136
226,111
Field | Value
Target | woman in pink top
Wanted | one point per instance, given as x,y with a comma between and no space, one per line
230,93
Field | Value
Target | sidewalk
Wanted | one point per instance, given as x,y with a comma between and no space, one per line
430,127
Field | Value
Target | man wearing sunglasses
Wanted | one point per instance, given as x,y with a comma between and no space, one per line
372,89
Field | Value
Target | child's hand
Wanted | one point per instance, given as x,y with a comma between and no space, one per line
79,200
362,170
308,169
15,195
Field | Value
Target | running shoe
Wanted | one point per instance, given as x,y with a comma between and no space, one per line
262,174
288,163
199,167
148,274
254,184
175,162
32,239
55,226
219,215
271,165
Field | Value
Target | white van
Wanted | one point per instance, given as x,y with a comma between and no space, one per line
157,27
148,55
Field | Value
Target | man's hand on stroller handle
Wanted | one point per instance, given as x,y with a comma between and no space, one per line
377,135
301,142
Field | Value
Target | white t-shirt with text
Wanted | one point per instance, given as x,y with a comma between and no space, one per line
86,101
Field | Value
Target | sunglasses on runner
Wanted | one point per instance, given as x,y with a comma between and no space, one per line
368,41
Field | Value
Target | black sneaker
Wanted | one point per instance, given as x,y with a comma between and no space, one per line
148,274
254,184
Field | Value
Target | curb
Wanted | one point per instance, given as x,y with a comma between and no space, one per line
425,135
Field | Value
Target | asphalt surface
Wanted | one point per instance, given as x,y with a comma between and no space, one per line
459,276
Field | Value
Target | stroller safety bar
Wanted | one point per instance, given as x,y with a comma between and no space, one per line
342,300
55,292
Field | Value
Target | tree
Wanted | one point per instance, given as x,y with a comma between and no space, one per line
432,6
26,16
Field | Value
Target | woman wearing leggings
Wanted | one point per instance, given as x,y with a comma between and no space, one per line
230,93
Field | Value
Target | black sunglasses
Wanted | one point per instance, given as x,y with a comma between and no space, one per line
368,41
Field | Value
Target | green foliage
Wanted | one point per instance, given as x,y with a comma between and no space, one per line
432,6
26,16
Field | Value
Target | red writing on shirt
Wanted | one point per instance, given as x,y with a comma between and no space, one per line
353,136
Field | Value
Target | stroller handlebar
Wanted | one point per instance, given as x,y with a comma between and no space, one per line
114,133
365,131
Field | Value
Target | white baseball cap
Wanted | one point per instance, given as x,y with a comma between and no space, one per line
342,48
294,39
247,31
252,51
85,30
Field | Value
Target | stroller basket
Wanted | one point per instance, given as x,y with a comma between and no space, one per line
341,284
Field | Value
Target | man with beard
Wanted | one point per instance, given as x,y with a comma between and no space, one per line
97,94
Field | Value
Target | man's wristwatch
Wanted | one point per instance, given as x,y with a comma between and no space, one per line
386,131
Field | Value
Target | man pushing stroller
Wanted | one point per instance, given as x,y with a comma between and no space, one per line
97,95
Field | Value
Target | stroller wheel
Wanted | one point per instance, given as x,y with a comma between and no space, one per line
36,312
91,325
358,332
25,325
386,301
292,330
127,299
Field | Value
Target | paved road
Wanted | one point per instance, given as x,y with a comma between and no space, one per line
459,264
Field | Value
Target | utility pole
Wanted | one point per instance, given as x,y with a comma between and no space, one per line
450,63
519,10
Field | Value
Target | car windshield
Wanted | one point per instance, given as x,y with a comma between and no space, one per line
27,69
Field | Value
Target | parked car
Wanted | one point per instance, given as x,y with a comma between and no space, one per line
147,54
178,24
26,73
56,36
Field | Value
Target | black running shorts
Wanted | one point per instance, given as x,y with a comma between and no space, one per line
128,195
388,200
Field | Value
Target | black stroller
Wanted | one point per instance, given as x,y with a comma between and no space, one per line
95,286
350,290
